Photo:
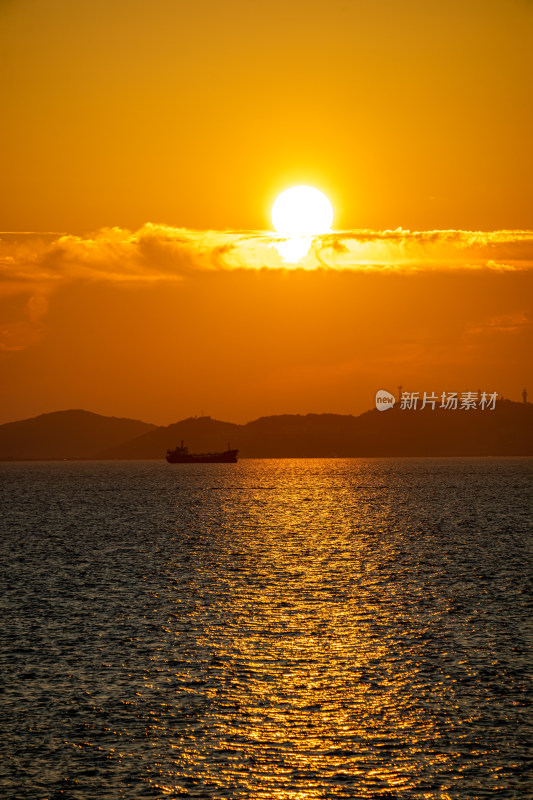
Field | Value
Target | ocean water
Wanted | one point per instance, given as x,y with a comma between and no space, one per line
273,629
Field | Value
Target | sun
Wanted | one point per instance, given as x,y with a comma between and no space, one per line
302,211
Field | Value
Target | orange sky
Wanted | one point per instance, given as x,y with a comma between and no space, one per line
129,128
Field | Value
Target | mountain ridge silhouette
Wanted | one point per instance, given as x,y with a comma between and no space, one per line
77,434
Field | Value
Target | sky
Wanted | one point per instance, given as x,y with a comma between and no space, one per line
142,147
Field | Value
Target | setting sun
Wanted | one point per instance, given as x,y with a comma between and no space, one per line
302,211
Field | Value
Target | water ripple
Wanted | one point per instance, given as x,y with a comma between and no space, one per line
279,629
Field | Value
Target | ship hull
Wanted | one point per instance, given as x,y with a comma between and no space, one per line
229,457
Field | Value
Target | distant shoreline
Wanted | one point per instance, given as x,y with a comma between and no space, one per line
78,435
258,458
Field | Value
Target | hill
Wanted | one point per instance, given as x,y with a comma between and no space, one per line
66,434
201,434
505,431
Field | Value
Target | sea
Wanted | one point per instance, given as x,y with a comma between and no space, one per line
287,629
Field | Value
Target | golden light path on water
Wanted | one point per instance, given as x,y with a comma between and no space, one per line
284,629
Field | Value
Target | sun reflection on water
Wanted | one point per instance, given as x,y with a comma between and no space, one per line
329,659
306,629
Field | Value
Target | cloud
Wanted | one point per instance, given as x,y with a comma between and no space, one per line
507,323
415,251
34,265
159,252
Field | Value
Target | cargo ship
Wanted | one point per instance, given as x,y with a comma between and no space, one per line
181,455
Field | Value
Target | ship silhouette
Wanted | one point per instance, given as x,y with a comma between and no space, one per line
181,455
